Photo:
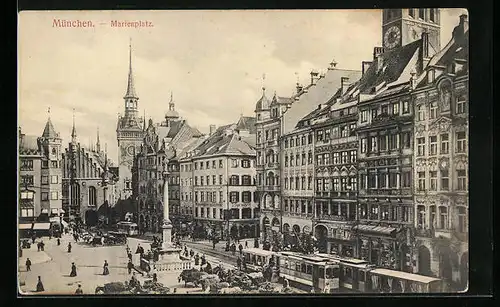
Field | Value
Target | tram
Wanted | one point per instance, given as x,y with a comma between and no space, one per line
256,258
128,228
391,281
309,271
353,272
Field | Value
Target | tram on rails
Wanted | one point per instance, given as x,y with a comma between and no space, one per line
256,258
309,272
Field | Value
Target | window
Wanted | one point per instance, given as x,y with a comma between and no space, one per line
54,195
335,132
27,212
393,181
221,196
213,164
363,146
208,180
462,219
292,142
29,195
433,110
461,143
406,179
309,182
460,106
393,141
27,181
433,181
196,165
245,163
303,158
432,16
327,134
92,196
54,179
196,196
336,158
432,145
407,140
221,164
45,164
353,154
445,180
421,13
291,160
443,217
445,143
374,113
45,196
234,163
319,135
395,109
297,159
309,158
201,180
411,12
373,147
336,184
352,130
45,179
286,160
343,132
383,143
327,158
353,183
461,180
53,164
420,146
27,165
208,165
303,183
247,180
247,196
286,143
420,112
421,181
382,182
364,116
406,107
344,157
234,180
202,196
286,183
201,165
310,139
234,197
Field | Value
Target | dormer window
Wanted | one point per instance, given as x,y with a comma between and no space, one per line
421,14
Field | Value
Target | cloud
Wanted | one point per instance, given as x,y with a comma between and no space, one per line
212,61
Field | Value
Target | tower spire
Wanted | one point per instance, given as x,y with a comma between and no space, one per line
98,144
171,104
73,131
144,121
130,85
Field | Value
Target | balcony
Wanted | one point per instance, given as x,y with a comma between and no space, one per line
336,194
270,209
332,217
298,215
272,165
383,192
272,188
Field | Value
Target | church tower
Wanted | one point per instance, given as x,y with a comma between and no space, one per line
129,134
51,143
403,26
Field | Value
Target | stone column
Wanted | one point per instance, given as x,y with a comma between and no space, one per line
167,225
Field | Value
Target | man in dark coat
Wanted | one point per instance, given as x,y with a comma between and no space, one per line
69,247
130,266
196,259
240,247
105,268
238,262
58,241
79,290
39,285
28,264
73,270
233,248
42,246
203,260
246,244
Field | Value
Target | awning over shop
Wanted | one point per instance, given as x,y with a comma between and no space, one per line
25,226
375,229
41,226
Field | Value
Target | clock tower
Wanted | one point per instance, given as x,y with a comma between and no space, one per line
129,133
403,26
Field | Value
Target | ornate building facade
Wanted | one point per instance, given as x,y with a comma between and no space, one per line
88,185
441,162
130,134
40,174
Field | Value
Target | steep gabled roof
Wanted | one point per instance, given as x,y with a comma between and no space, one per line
28,145
247,123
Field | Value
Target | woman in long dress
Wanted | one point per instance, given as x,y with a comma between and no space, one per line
105,268
73,270
39,285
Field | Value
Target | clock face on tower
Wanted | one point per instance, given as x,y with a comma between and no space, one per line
130,150
392,37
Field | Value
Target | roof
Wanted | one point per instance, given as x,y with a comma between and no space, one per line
258,251
247,123
28,145
311,96
404,275
281,100
263,103
49,131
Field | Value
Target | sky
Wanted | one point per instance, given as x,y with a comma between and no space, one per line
213,62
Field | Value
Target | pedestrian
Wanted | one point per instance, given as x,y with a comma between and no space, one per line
79,290
58,241
246,244
20,251
238,262
155,278
38,246
33,238
39,285
42,246
130,266
73,270
129,256
196,259
28,264
105,268
50,235
138,250
240,247
69,247
203,260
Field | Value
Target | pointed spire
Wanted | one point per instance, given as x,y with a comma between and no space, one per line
144,121
130,85
73,131
106,156
98,141
171,104
49,131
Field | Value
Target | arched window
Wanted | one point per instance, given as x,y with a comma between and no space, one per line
92,196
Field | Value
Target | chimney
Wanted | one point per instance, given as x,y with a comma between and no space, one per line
212,129
314,77
319,106
333,65
462,27
377,51
364,66
344,83
299,88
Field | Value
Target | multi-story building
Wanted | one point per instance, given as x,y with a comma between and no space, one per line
300,211
268,128
162,142
441,162
86,197
223,182
40,175
130,134
385,133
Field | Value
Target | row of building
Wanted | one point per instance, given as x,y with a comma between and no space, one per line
378,169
